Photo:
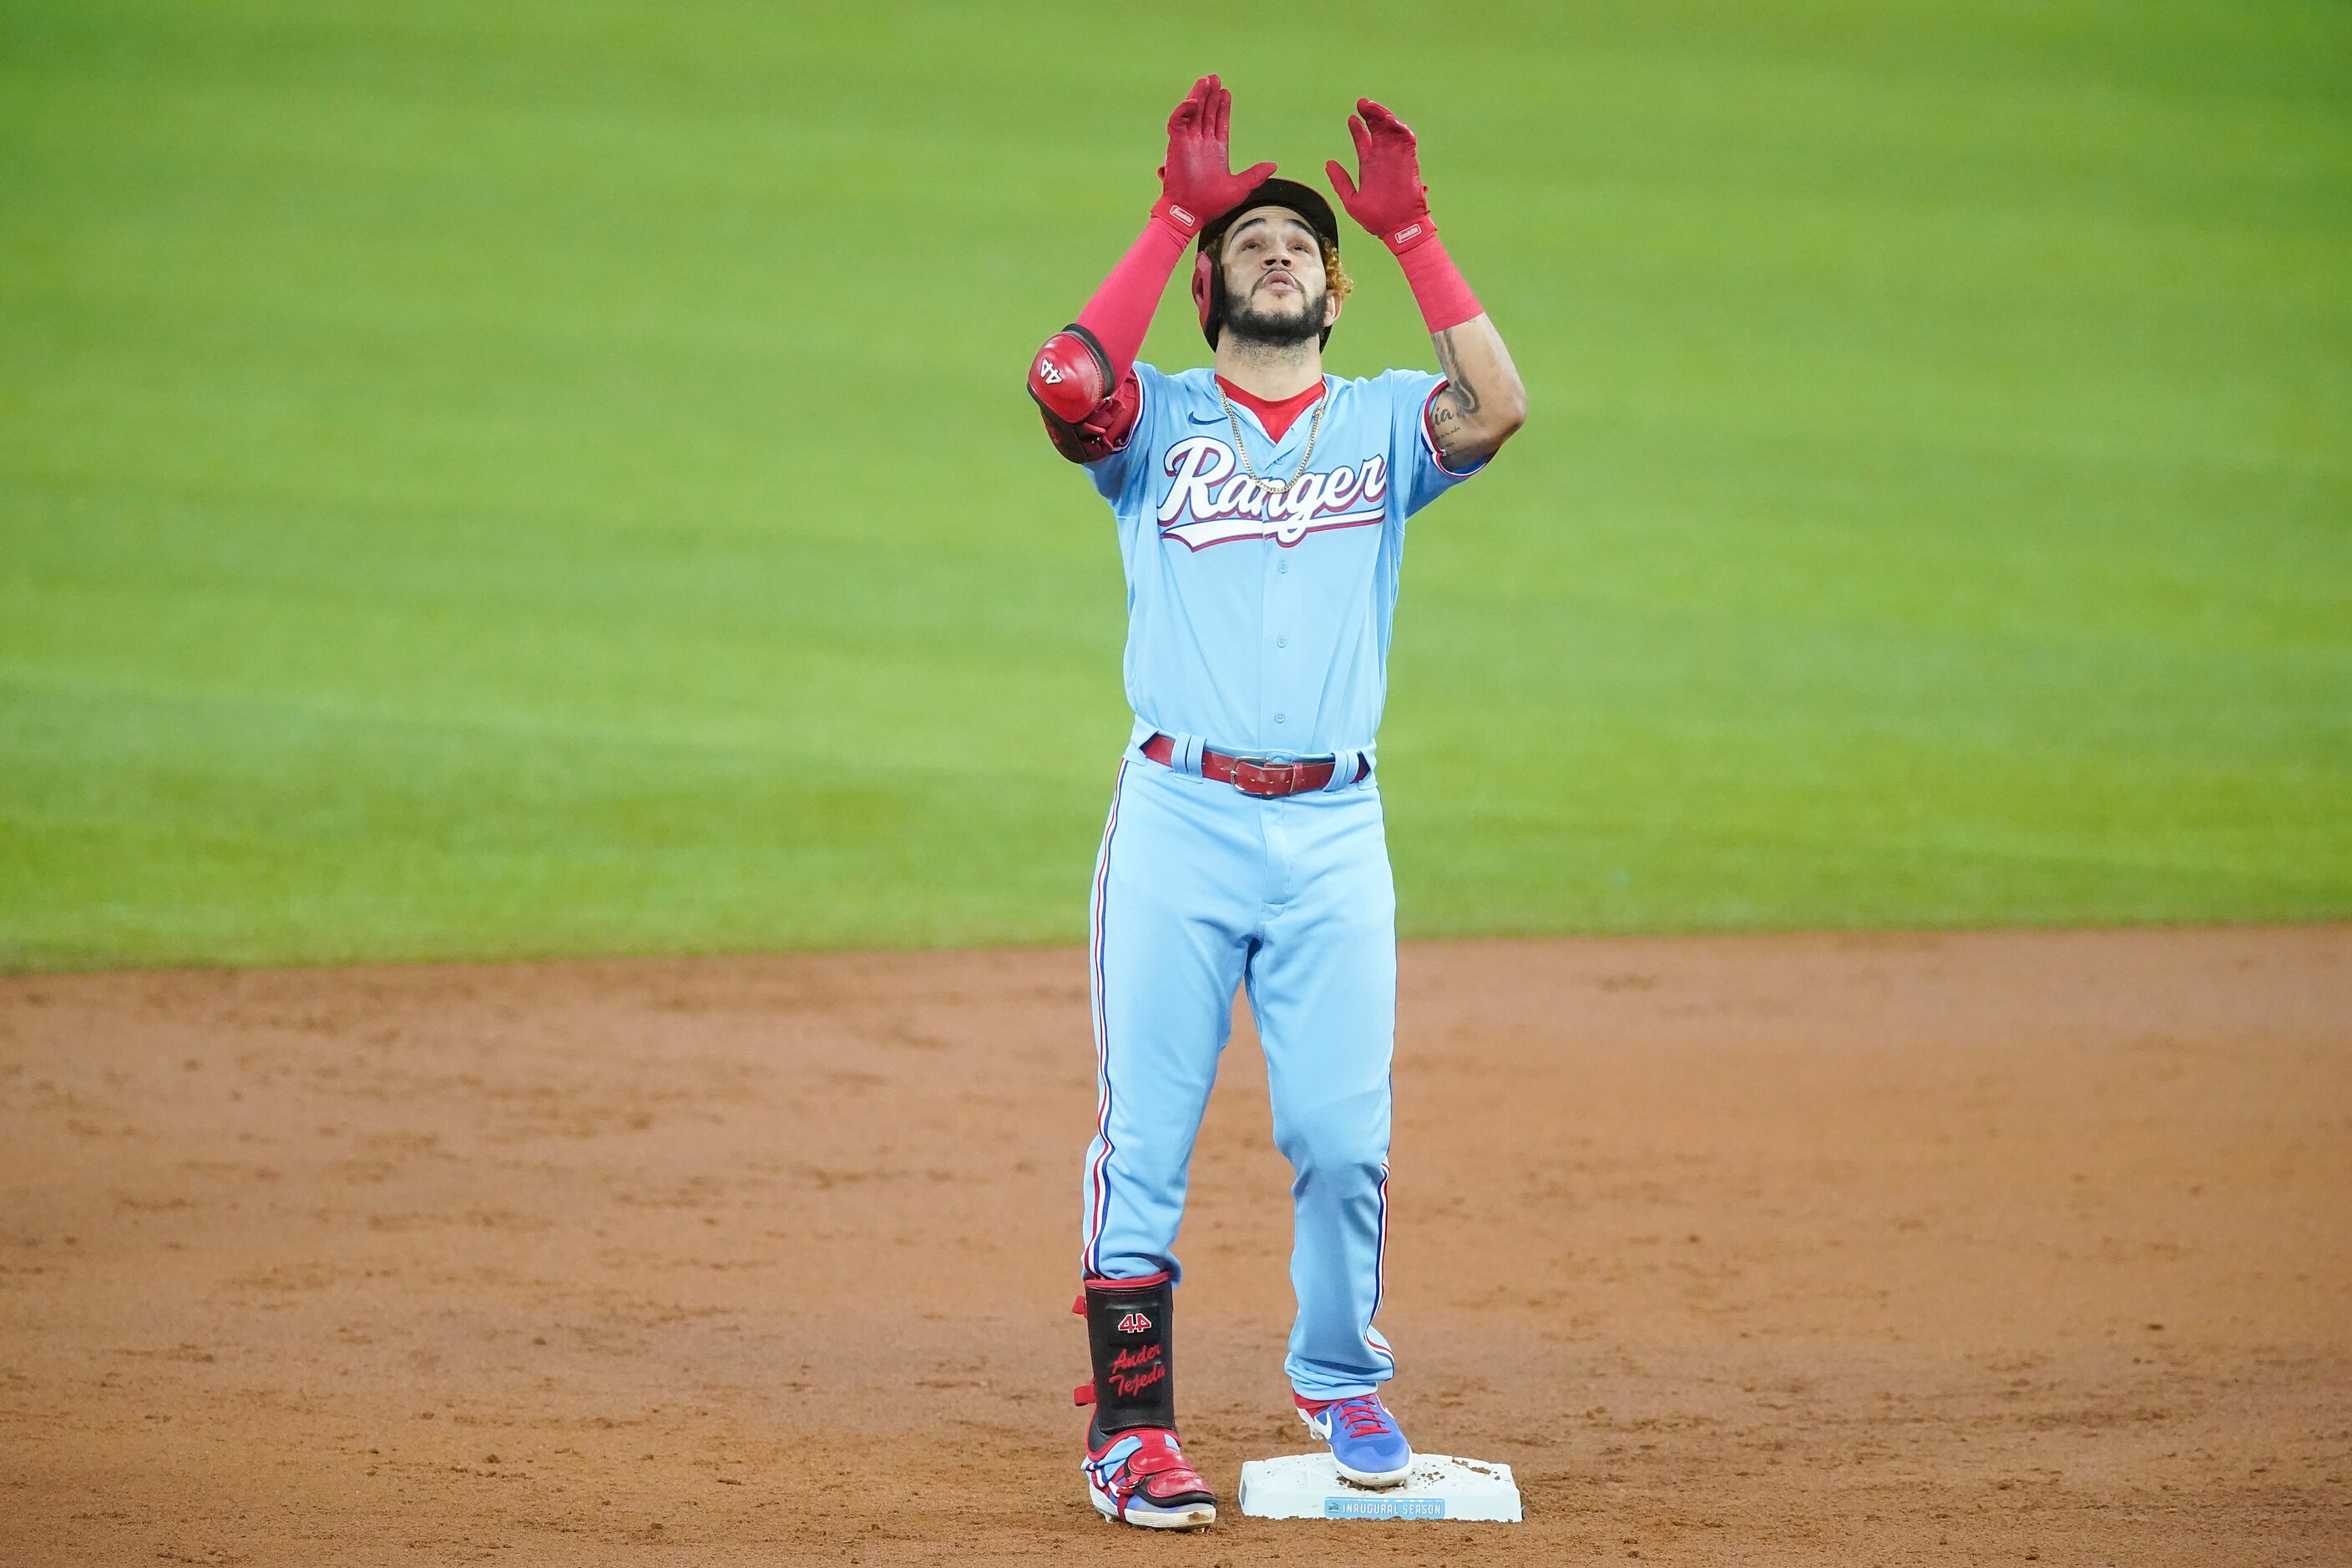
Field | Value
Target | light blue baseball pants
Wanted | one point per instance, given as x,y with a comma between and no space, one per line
1199,889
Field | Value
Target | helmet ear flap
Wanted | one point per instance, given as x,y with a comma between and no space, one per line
1207,284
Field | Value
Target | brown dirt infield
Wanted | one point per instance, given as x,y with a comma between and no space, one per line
1987,1249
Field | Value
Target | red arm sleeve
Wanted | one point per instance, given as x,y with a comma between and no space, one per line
1120,313
1084,377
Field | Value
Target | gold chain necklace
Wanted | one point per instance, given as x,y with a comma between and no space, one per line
1314,428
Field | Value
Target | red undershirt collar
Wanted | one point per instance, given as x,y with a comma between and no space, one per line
1277,417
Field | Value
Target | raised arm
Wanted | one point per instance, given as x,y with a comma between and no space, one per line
1082,376
1483,402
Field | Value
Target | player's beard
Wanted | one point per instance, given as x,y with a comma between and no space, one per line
1274,328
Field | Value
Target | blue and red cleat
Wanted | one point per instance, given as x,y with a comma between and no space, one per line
1366,1442
1140,1477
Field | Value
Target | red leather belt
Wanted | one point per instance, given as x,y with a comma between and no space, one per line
1255,775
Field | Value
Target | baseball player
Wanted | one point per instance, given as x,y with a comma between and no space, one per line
1262,508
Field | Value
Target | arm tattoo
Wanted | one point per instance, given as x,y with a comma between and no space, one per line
1465,396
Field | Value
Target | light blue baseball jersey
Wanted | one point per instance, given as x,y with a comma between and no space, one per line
1259,622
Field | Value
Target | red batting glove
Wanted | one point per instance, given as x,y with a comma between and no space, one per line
1393,203
1197,184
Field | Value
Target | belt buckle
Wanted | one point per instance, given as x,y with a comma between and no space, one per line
1280,778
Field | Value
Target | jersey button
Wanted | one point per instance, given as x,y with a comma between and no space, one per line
1282,565
1277,718
1282,642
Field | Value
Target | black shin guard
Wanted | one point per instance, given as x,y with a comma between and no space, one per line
1128,1333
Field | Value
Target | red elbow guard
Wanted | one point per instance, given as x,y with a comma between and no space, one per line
1087,417
1070,377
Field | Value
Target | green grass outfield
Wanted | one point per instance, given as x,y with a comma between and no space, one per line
554,479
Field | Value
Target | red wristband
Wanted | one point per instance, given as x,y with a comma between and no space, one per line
1438,286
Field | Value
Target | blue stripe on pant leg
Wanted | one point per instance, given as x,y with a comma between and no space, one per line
1096,1193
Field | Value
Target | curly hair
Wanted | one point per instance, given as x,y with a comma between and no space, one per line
1334,276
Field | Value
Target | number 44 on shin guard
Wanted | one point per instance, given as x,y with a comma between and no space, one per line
1136,1471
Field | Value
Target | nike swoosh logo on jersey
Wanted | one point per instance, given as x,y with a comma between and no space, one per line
1207,418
